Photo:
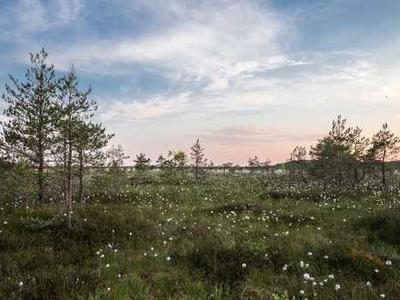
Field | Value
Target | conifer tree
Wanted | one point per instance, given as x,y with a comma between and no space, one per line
74,107
385,146
91,138
142,162
197,156
31,112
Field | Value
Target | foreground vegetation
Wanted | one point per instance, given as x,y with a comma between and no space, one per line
231,237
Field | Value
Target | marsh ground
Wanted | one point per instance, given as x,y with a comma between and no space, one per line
236,238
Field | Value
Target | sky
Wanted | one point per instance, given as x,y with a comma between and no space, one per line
246,77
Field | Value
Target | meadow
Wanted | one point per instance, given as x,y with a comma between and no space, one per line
233,236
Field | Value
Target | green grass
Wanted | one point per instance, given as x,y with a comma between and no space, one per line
218,240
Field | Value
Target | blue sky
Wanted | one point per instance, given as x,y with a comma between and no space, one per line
246,77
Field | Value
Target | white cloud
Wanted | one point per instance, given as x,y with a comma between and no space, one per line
212,42
152,108
21,18
250,134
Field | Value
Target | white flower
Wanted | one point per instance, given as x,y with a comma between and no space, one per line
337,287
382,295
301,292
168,258
107,265
331,276
244,265
301,264
368,283
20,284
388,263
306,276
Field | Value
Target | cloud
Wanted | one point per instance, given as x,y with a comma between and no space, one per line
151,108
211,41
255,135
20,19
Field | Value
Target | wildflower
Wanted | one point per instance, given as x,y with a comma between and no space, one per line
388,263
107,265
168,258
244,265
337,287
382,295
301,292
368,283
20,284
306,276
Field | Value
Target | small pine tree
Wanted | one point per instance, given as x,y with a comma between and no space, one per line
142,162
161,161
385,146
90,139
297,159
197,156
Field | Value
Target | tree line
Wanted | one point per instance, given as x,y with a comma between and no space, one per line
345,156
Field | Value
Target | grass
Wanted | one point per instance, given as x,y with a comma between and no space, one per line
227,239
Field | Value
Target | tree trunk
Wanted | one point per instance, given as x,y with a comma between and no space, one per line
383,173
80,190
41,180
69,184
64,169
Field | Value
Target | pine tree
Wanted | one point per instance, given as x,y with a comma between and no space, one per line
197,156
253,162
90,139
297,159
31,112
385,145
74,107
142,162
161,161
339,151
